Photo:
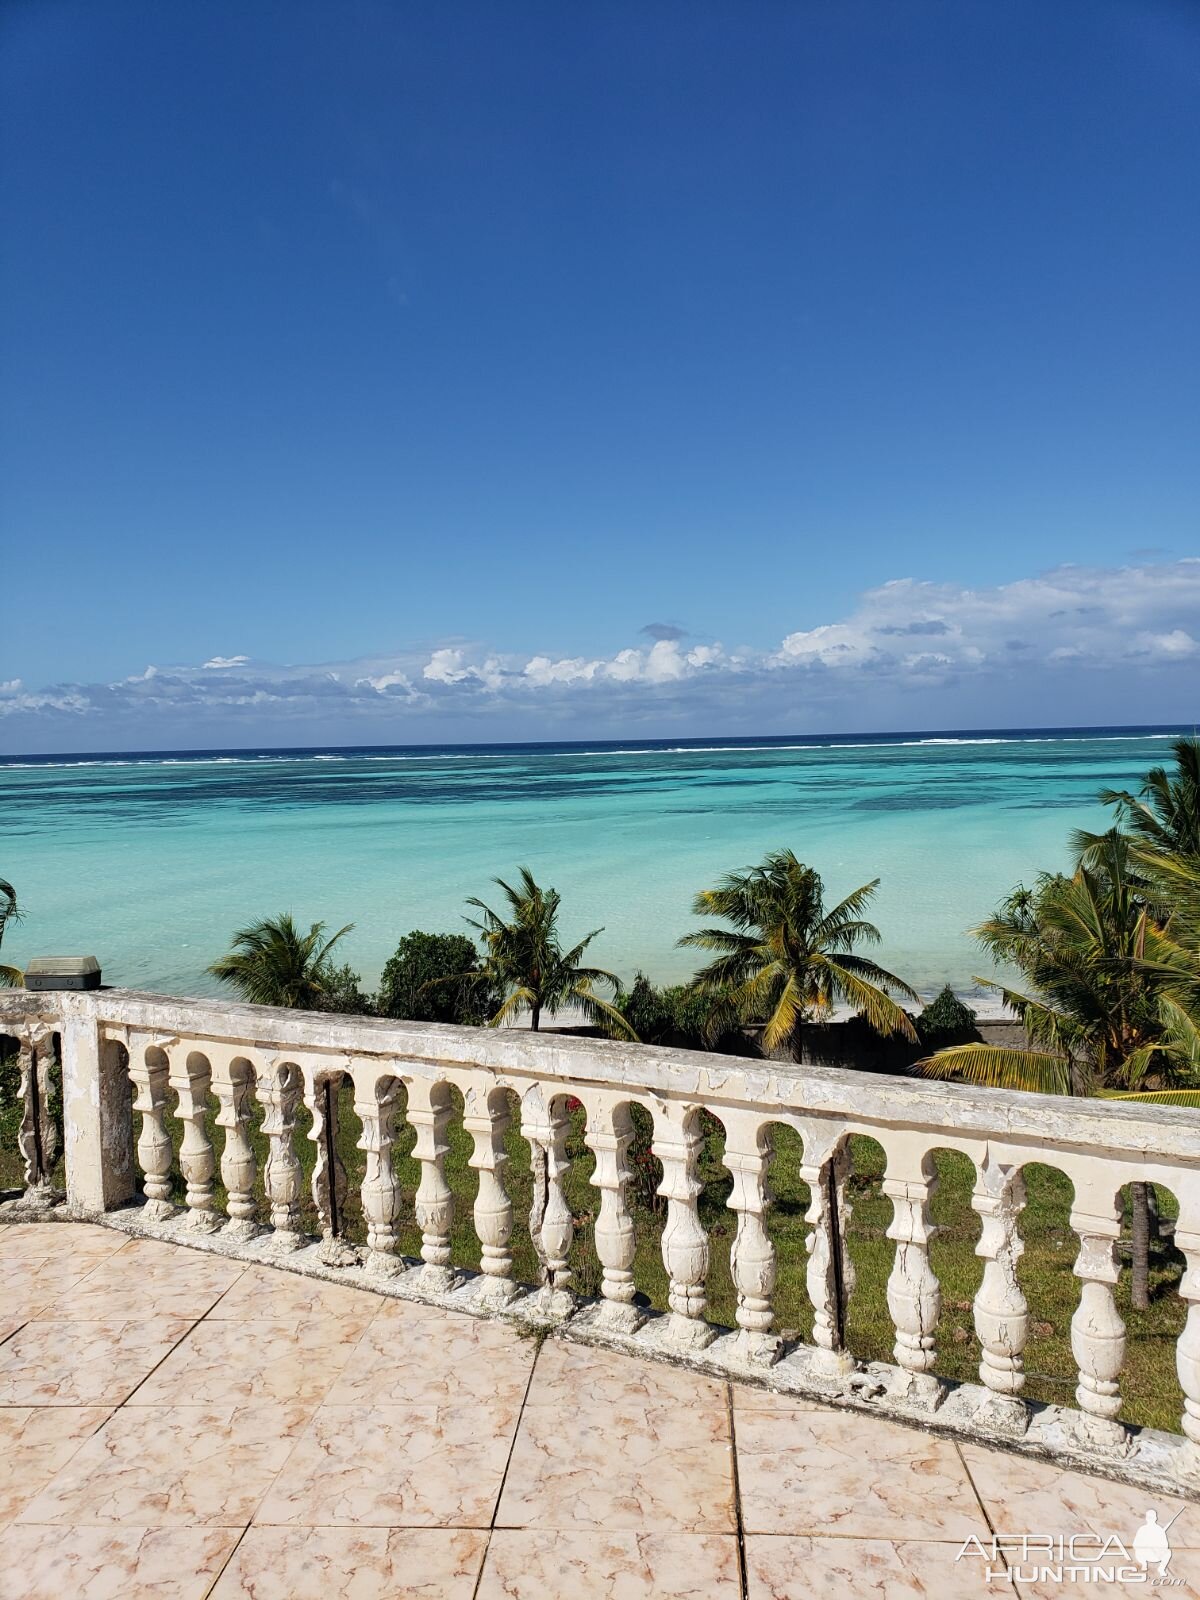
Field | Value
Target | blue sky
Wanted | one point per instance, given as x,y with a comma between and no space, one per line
450,348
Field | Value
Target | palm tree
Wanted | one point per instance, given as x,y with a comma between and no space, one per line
1165,813
1101,976
273,964
524,961
10,911
790,959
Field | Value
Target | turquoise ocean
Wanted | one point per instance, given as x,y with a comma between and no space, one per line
150,862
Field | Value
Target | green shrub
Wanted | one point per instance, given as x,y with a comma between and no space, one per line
410,988
947,1020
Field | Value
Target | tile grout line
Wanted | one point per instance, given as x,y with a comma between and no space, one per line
491,1528
146,1376
220,1573
987,1515
739,1528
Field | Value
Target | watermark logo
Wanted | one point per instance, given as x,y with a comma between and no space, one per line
1088,1558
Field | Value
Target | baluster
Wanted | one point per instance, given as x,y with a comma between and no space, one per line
1001,1311
609,1135
232,1079
752,1257
486,1118
329,1182
677,1142
830,1274
38,1136
429,1111
1097,1332
1187,1350
376,1105
149,1070
547,1127
189,1078
279,1091
914,1295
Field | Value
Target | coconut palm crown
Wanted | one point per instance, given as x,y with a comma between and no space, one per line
10,977
524,960
790,958
273,964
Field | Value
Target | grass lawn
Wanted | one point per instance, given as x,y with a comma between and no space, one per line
1151,1391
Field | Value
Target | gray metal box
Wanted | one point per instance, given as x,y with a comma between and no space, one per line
63,972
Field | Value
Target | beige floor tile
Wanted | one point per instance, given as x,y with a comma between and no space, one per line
185,1285
785,1568
275,1292
49,1239
277,1358
82,1363
172,1467
1181,1581
354,1564
524,1564
831,1472
598,1463
30,1284
1035,1496
112,1563
395,1466
569,1373
476,1360
35,1442
8,1328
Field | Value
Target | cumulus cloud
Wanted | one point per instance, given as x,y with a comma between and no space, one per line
916,651
663,630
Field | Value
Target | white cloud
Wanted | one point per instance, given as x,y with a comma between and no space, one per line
918,653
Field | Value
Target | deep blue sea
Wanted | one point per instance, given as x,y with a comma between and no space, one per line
150,861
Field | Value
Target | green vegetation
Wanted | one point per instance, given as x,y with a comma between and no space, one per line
435,977
525,962
945,1021
273,964
788,960
10,977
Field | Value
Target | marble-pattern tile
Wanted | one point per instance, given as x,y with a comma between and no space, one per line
1036,1496
611,1378
116,1290
395,1466
596,1462
35,1442
9,1327
82,1363
270,1358
42,1240
29,1285
275,1292
173,1466
476,1360
529,1564
781,1567
832,1472
112,1563
354,1564
1181,1581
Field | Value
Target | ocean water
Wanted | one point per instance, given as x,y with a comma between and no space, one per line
151,861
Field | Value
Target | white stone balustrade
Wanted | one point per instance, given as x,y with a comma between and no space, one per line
140,1074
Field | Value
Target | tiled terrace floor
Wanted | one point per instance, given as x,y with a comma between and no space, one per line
176,1425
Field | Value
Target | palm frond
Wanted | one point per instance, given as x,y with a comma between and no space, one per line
994,1067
